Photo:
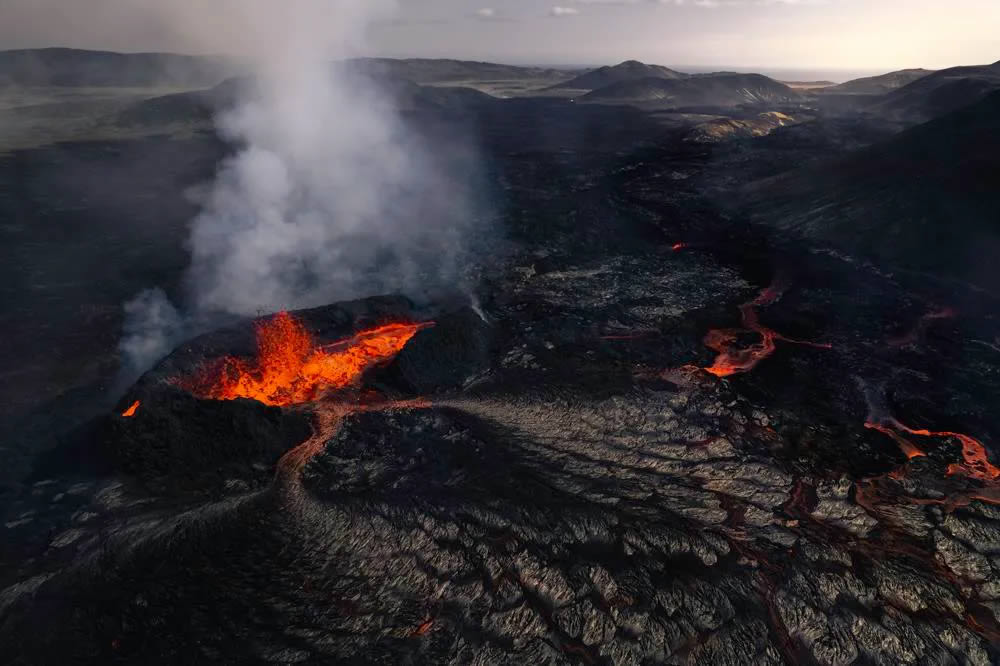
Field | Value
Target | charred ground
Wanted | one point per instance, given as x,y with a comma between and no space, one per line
553,479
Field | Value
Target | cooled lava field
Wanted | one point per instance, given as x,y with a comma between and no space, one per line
659,433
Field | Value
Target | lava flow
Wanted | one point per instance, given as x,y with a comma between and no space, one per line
130,412
734,360
290,369
975,461
910,450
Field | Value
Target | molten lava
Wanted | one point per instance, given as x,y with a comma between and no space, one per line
734,360
975,461
290,369
976,464
906,446
130,412
677,247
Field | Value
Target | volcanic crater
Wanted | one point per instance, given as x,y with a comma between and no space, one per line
468,492
665,432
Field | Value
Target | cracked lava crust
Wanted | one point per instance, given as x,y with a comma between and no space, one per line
373,482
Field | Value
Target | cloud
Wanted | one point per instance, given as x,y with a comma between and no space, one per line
563,12
491,14
714,4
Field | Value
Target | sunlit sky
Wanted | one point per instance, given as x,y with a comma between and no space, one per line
794,34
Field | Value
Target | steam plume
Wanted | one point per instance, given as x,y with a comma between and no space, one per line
330,195
152,326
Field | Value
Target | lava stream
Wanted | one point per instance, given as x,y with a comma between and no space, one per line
735,360
975,464
909,449
290,369
133,408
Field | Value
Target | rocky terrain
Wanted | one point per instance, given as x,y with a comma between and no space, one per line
939,93
894,200
711,90
879,85
720,396
630,70
75,68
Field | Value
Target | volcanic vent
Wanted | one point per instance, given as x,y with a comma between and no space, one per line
238,399
290,368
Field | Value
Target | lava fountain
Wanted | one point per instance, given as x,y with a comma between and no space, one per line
291,369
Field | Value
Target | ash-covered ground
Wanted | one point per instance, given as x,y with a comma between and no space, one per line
564,473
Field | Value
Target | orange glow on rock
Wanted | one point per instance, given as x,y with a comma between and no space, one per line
734,360
130,412
289,369
908,448
975,461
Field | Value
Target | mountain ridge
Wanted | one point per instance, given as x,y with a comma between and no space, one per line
722,89
629,70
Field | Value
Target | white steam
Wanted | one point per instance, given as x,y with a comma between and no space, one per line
152,327
329,195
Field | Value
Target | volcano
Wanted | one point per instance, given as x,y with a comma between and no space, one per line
653,426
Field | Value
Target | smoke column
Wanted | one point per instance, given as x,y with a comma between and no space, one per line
328,195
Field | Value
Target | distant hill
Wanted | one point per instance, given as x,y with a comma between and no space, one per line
723,89
724,129
185,108
78,68
406,95
630,70
926,198
881,84
425,70
199,107
939,93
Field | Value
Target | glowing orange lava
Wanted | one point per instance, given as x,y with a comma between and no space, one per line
905,445
130,412
289,369
734,360
975,465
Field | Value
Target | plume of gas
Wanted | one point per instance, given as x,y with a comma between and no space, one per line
330,194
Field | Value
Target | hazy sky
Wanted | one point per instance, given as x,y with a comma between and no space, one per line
847,34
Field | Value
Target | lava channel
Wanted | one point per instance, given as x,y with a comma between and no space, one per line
291,369
734,360
975,461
